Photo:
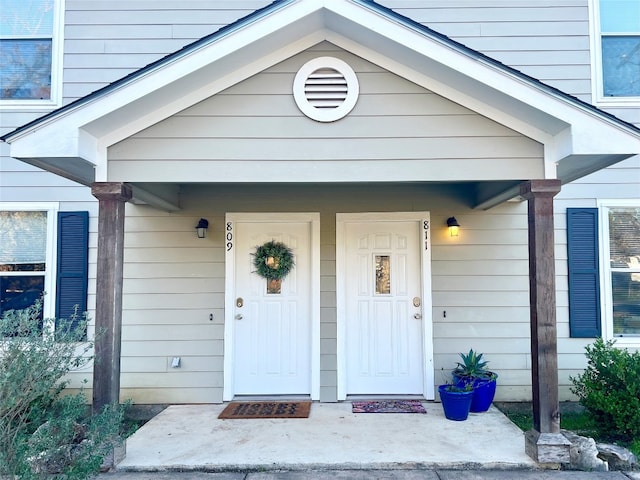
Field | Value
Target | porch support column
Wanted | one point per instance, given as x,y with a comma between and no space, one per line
111,197
545,443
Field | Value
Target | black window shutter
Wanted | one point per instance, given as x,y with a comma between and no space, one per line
584,272
72,270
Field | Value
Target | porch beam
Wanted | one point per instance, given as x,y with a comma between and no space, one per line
545,443
168,202
112,197
487,199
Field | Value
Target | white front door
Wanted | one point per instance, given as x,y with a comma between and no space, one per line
384,301
270,330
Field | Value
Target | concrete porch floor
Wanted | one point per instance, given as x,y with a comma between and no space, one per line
192,438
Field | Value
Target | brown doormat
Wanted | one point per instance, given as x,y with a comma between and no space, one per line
266,410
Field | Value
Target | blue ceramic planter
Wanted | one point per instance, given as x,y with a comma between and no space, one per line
483,393
456,405
484,390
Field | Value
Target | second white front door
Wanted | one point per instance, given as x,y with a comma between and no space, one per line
383,304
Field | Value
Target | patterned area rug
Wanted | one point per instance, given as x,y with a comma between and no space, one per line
266,410
388,406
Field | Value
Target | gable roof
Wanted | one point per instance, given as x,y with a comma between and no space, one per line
577,136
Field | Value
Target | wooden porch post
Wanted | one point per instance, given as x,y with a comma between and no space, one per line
544,443
112,197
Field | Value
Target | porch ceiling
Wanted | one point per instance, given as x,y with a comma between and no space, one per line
72,141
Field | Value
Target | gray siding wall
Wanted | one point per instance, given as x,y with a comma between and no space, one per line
547,39
480,280
106,40
20,182
173,280
394,119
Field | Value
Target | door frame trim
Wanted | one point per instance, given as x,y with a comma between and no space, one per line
423,218
313,218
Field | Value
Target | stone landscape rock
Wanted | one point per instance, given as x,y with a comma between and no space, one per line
618,458
584,454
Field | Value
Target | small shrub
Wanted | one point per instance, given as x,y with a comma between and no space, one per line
609,389
43,432
635,447
472,366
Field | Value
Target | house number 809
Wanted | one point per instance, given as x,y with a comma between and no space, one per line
229,236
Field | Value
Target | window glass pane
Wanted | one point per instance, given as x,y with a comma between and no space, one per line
21,292
23,240
25,69
26,17
619,16
17,293
621,66
624,246
274,286
624,238
383,274
626,303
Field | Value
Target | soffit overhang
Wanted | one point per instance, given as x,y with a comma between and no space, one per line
571,131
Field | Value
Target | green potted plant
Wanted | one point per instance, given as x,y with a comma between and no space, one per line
456,398
472,370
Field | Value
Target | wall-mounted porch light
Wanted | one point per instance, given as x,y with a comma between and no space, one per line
454,226
201,228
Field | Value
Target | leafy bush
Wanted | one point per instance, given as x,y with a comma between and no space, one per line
609,389
42,431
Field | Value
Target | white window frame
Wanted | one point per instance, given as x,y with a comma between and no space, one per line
606,294
52,208
597,81
57,44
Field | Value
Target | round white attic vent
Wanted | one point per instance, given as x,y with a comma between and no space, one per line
325,89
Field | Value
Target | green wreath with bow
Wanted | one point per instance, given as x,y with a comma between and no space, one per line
273,260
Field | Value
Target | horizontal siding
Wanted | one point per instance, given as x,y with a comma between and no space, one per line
441,134
405,104
384,127
480,286
154,395
21,182
112,39
174,282
186,333
43,192
170,347
540,38
621,180
180,149
33,177
11,119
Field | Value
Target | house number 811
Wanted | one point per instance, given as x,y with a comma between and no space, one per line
425,227
229,236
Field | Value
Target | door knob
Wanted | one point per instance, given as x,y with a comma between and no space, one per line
417,316
239,316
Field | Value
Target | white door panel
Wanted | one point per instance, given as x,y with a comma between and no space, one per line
272,331
382,320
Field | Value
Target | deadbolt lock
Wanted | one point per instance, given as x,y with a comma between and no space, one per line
239,302
416,301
